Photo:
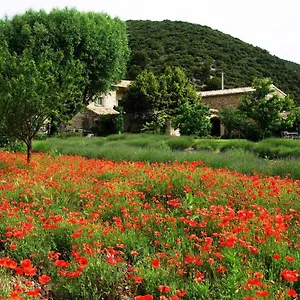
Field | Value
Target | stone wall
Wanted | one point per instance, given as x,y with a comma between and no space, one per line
222,101
82,121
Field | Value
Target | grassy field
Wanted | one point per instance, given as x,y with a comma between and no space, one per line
79,228
271,156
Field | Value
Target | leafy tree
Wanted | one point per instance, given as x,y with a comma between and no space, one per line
33,89
96,40
193,119
264,105
176,90
142,98
53,63
231,119
157,100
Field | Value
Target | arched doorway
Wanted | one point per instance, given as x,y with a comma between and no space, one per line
215,126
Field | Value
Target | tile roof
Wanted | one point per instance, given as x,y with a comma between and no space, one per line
227,92
101,110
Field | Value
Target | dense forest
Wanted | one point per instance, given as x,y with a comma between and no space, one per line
204,54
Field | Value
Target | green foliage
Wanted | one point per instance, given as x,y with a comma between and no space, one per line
95,39
231,119
119,119
155,99
193,119
34,87
52,63
263,107
203,52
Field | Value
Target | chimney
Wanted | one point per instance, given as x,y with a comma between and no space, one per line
222,81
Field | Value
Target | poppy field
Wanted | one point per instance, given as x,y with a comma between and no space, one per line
78,228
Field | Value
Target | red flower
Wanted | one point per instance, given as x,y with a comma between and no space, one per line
145,297
83,261
262,293
61,263
290,258
181,293
164,289
35,292
290,275
43,279
292,293
26,263
155,263
276,256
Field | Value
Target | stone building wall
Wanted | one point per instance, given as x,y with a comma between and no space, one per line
222,101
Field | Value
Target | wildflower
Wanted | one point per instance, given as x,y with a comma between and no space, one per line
43,279
292,293
290,258
164,289
276,256
34,293
262,293
290,275
155,263
145,297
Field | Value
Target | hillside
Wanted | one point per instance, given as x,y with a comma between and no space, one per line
205,53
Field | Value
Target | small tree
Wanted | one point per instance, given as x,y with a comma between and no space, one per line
153,99
264,106
193,119
33,89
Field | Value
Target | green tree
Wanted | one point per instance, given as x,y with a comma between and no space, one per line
142,98
176,90
263,106
95,39
157,100
193,119
231,119
33,89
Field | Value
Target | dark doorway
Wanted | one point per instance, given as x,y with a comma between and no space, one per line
216,126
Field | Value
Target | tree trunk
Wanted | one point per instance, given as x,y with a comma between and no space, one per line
29,148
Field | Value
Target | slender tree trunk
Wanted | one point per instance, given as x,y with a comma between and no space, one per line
29,148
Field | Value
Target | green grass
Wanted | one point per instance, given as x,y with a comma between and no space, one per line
271,156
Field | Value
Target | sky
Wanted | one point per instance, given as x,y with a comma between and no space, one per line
273,25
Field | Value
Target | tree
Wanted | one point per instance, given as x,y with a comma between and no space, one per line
231,119
176,90
52,64
142,98
157,100
193,119
96,40
31,92
264,105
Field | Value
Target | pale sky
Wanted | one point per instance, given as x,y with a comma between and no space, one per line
273,25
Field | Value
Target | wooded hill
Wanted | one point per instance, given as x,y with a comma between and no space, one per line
204,54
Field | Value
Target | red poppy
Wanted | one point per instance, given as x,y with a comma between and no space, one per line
155,263
164,289
43,279
292,293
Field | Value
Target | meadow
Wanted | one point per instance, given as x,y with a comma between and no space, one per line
270,157
83,228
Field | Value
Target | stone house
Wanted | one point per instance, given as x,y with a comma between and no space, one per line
227,98
102,105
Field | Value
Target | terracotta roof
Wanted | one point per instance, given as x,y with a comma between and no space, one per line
227,92
123,83
101,110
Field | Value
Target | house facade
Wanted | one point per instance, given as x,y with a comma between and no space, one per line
218,100
102,105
